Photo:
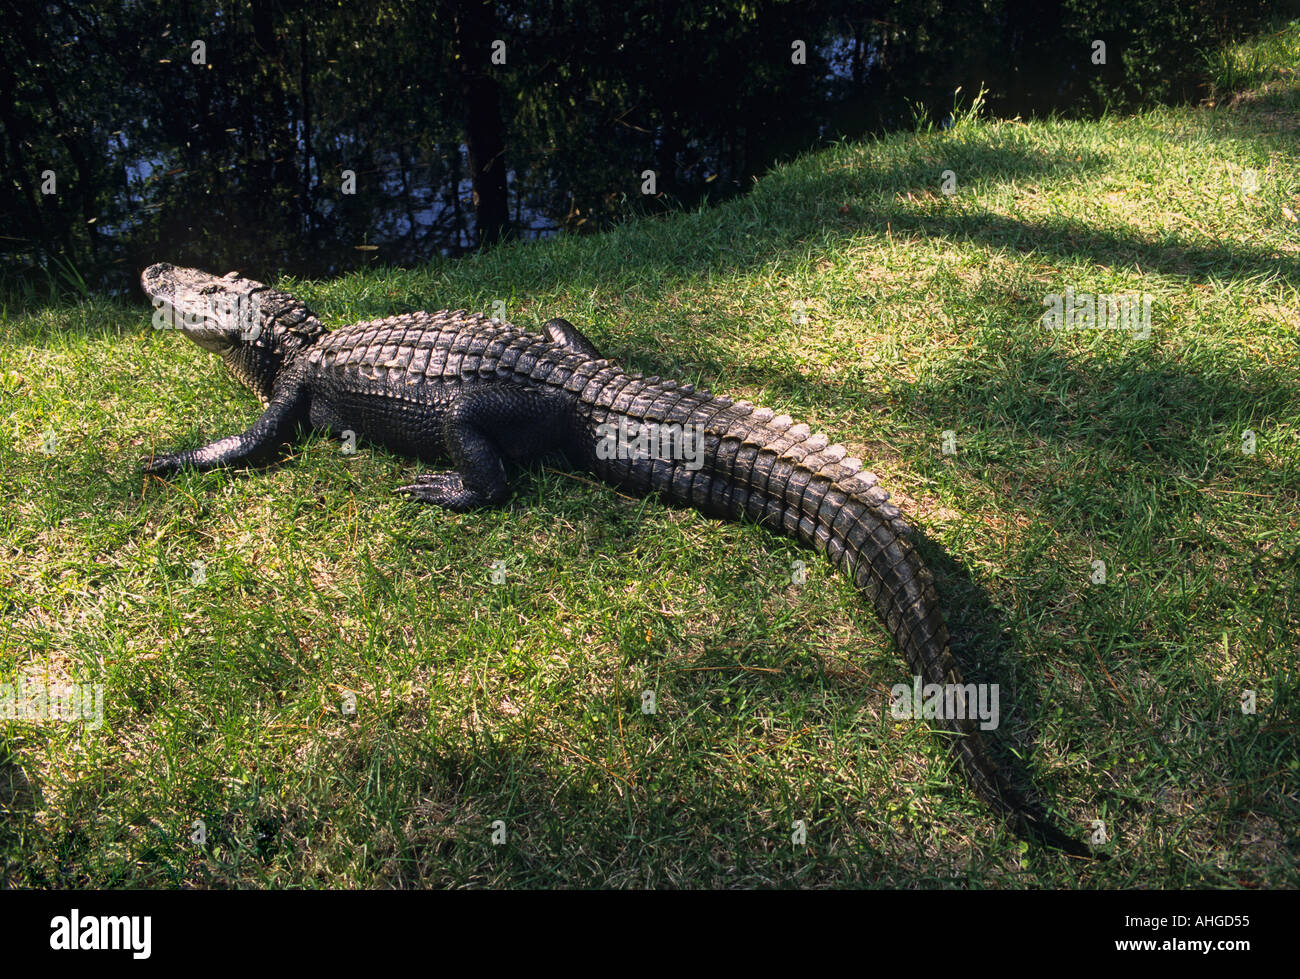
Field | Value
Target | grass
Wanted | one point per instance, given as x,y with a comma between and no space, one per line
226,696
1257,62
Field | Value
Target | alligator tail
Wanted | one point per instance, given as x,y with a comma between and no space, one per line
809,489
767,469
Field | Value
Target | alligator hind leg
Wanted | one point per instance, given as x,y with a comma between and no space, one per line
485,427
567,335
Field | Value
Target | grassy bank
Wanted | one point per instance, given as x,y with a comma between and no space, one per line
848,290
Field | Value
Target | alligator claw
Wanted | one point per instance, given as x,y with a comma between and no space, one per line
164,465
446,490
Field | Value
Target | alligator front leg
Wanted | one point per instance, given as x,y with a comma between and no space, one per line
253,447
485,427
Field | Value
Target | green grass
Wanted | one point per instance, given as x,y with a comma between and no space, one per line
1256,62
520,701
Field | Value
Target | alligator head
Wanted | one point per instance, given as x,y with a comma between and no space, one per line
253,327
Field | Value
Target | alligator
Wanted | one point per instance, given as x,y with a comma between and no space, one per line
481,393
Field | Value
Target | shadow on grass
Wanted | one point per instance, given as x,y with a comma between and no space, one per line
19,802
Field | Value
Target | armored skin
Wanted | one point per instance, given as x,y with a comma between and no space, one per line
458,387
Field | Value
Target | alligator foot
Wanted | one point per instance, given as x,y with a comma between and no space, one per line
445,489
164,465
